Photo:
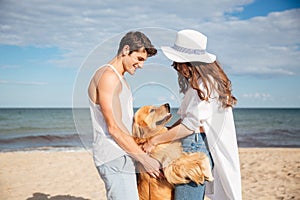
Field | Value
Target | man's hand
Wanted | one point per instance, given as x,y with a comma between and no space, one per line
151,166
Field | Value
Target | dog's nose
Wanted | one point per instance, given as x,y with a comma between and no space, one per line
167,106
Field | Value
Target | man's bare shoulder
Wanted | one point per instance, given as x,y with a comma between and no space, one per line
106,77
104,81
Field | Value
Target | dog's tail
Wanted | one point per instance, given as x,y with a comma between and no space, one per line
189,167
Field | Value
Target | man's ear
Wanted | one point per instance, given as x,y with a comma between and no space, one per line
125,50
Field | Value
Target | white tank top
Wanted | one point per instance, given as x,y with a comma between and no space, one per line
105,148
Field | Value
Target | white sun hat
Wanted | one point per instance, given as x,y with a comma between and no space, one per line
189,46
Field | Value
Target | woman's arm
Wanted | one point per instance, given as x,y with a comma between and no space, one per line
175,133
175,124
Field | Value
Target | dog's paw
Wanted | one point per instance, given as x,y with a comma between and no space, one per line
140,141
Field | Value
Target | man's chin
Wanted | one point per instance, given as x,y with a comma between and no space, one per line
131,72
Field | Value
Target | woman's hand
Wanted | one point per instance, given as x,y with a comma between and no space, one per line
148,146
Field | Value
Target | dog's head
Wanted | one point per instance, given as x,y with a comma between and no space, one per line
148,120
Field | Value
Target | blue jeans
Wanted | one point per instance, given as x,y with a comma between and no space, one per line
193,143
119,179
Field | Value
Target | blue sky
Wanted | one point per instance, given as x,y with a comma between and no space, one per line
50,50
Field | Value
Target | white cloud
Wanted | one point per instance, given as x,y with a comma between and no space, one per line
9,66
259,46
77,26
258,96
161,99
22,83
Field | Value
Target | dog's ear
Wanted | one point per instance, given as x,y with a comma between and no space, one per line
137,131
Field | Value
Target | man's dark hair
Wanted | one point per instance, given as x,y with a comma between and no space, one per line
136,41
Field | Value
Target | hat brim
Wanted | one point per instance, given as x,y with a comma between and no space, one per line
181,57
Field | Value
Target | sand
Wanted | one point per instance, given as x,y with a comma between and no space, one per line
267,173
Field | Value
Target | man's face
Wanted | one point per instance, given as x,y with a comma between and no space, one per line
135,60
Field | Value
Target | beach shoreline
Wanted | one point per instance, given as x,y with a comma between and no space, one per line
267,173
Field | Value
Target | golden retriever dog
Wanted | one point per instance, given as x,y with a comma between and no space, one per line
178,167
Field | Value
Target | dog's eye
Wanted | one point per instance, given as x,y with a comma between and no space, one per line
152,110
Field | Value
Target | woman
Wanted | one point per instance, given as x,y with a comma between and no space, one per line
206,121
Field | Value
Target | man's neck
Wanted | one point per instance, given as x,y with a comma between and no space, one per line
117,63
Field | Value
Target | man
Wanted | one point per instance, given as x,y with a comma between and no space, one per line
112,114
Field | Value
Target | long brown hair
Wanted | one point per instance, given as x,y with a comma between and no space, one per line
213,78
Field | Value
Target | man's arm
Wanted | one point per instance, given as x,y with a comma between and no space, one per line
109,87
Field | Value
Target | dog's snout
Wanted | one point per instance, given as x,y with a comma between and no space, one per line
167,106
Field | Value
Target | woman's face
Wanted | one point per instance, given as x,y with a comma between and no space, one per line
183,69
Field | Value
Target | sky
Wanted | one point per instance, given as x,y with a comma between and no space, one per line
49,50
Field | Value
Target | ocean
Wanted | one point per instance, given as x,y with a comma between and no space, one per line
54,129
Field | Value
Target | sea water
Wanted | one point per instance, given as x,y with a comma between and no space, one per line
54,128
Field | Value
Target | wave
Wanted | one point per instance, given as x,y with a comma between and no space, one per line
42,141
270,138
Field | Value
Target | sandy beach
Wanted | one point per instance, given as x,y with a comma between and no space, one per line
267,173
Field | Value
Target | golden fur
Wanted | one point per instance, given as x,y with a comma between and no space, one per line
178,167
